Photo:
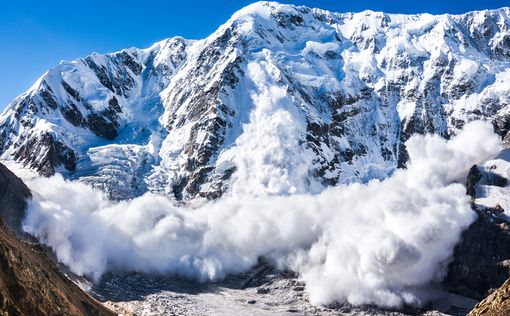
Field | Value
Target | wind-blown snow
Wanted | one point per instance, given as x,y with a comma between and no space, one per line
278,103
268,156
382,242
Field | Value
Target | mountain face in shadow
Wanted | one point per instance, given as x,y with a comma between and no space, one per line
30,283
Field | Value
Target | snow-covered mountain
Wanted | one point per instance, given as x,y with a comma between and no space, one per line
289,97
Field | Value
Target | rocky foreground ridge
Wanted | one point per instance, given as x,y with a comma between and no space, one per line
30,282
498,303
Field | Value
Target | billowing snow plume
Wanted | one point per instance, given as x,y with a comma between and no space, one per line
269,156
381,242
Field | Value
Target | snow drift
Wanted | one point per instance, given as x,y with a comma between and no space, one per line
381,242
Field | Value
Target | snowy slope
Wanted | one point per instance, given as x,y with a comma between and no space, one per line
492,190
289,97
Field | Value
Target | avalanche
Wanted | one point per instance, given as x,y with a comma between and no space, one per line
378,243
289,133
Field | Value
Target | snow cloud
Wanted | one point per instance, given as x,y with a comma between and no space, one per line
268,156
381,243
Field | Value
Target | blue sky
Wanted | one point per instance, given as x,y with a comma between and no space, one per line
36,35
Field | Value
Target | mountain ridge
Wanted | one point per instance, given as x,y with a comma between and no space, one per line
170,119
30,282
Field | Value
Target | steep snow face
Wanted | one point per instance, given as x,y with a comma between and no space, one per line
291,98
94,118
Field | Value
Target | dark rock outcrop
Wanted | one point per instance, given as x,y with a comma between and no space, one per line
482,258
473,177
13,199
55,154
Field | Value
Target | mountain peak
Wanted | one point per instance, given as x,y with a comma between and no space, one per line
269,12
354,87
264,9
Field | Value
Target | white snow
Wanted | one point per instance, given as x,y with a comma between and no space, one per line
321,55
359,74
379,243
490,195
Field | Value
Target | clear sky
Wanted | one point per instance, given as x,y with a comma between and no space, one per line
35,35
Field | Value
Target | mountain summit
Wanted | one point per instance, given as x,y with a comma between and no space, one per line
321,97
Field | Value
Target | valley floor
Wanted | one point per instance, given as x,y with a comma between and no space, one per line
261,291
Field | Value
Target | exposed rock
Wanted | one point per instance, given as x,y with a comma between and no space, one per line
30,283
13,200
472,179
496,304
482,258
43,153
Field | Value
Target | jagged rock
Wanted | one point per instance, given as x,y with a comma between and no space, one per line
13,200
472,179
496,304
482,258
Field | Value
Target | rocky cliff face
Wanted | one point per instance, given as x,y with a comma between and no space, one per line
13,200
30,283
334,95
482,258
